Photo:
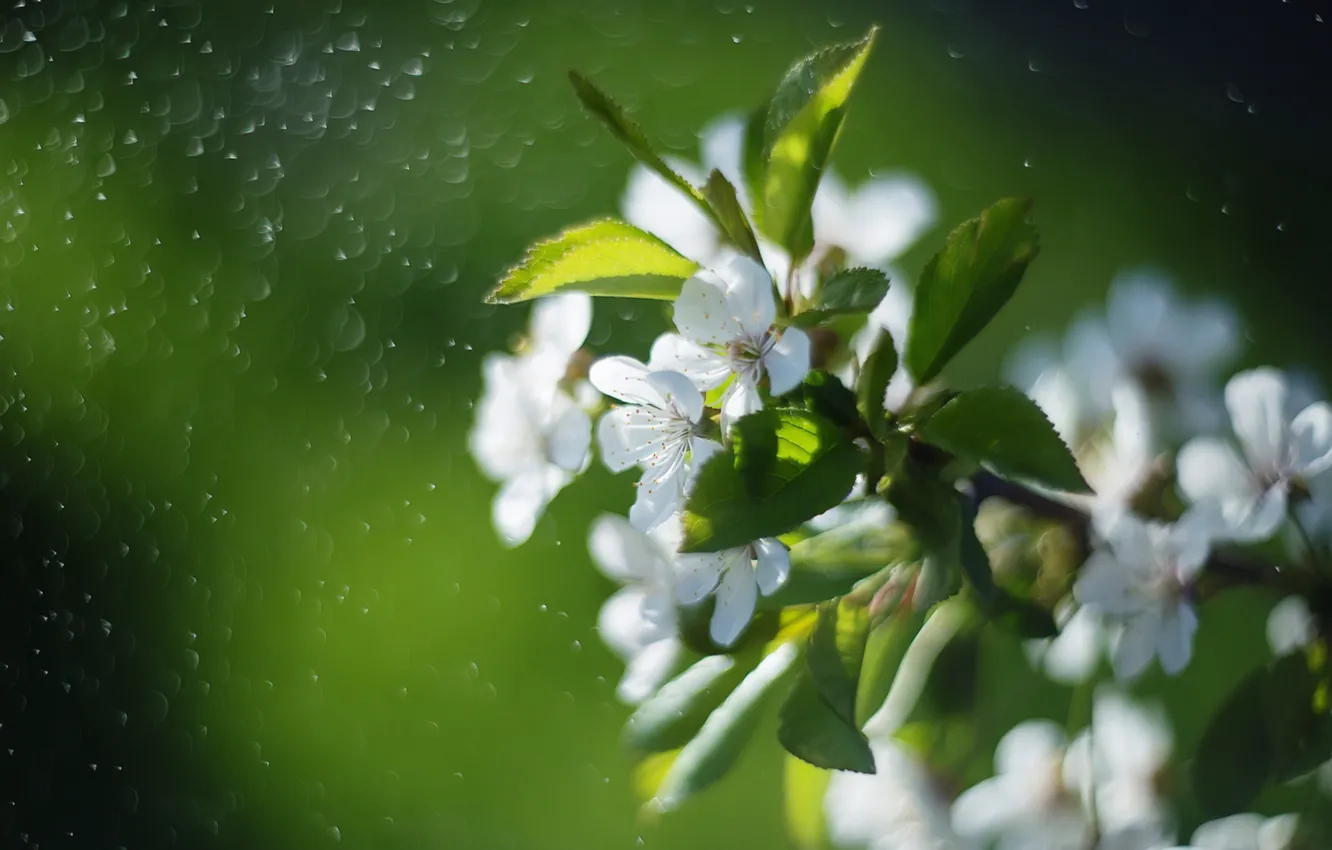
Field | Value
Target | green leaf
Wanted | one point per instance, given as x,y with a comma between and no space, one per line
966,283
783,467
814,732
719,192
912,675
753,162
1002,428
885,648
832,563
1268,730
723,736
834,654
605,257
672,716
801,126
872,384
827,396
625,129
848,291
975,561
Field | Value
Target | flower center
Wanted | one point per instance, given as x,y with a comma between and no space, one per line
1154,378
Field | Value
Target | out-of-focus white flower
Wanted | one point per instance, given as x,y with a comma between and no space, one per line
1117,468
1172,348
725,319
893,314
653,430
1140,578
638,621
1290,626
735,577
1072,656
1031,801
1279,449
1246,832
1130,747
895,808
529,434
873,223
1169,349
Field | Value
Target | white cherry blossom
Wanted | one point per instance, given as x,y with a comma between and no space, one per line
1032,801
725,319
735,577
1072,656
638,621
1280,449
529,434
895,808
1130,747
653,430
1170,349
1246,832
1291,626
1140,578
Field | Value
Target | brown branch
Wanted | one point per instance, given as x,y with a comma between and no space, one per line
1226,568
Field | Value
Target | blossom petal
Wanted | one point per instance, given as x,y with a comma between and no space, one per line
1211,469
774,564
702,314
630,436
660,492
648,670
1029,748
569,438
673,353
560,323
697,576
740,399
662,209
1256,400
1138,309
1263,517
631,619
1073,655
521,501
623,553
787,362
749,295
1311,440
1135,645
622,378
987,808
737,594
679,394
1290,626
701,451
1174,642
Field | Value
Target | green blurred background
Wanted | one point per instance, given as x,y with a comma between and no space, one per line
251,597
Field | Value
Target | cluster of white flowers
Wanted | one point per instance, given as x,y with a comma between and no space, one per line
1136,392
533,423
1123,390
1103,790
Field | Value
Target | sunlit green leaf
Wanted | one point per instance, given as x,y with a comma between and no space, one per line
827,396
872,384
813,731
832,563
673,715
631,135
1004,429
965,284
723,736
835,651
783,467
605,257
856,290
800,128
730,215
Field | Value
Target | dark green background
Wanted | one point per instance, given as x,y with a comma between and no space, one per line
250,593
